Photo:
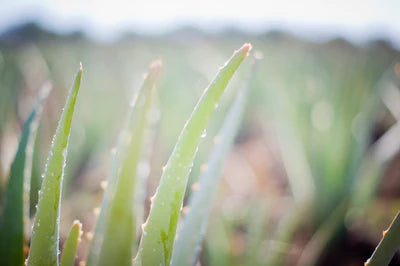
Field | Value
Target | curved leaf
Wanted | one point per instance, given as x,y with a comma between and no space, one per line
45,235
187,245
12,223
71,244
120,227
388,245
159,230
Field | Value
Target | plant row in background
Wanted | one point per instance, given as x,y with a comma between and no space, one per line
333,170
319,183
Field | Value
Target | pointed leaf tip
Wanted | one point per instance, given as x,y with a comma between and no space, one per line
246,48
71,244
160,228
45,236
155,70
156,66
122,213
78,224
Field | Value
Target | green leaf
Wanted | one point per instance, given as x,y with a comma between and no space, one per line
256,233
159,230
12,223
71,244
388,245
218,251
318,242
120,226
188,243
45,235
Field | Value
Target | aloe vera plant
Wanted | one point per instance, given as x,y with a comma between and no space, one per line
44,247
71,244
119,231
159,230
14,210
187,245
304,97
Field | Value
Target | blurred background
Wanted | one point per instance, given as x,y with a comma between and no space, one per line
314,175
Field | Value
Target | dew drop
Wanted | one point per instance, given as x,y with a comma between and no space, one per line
96,211
195,187
103,184
143,168
89,236
185,210
204,134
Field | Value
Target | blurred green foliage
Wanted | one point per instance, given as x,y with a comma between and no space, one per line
314,107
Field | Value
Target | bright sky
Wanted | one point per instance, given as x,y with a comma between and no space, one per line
355,19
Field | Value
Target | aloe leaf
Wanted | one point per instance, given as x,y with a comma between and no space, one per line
288,225
159,230
218,251
143,171
45,235
188,243
111,183
29,171
71,244
257,232
15,207
296,165
388,245
120,226
119,156
319,241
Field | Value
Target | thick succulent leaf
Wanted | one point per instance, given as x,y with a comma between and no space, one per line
257,233
45,236
120,225
71,244
318,242
15,207
388,245
159,230
189,239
